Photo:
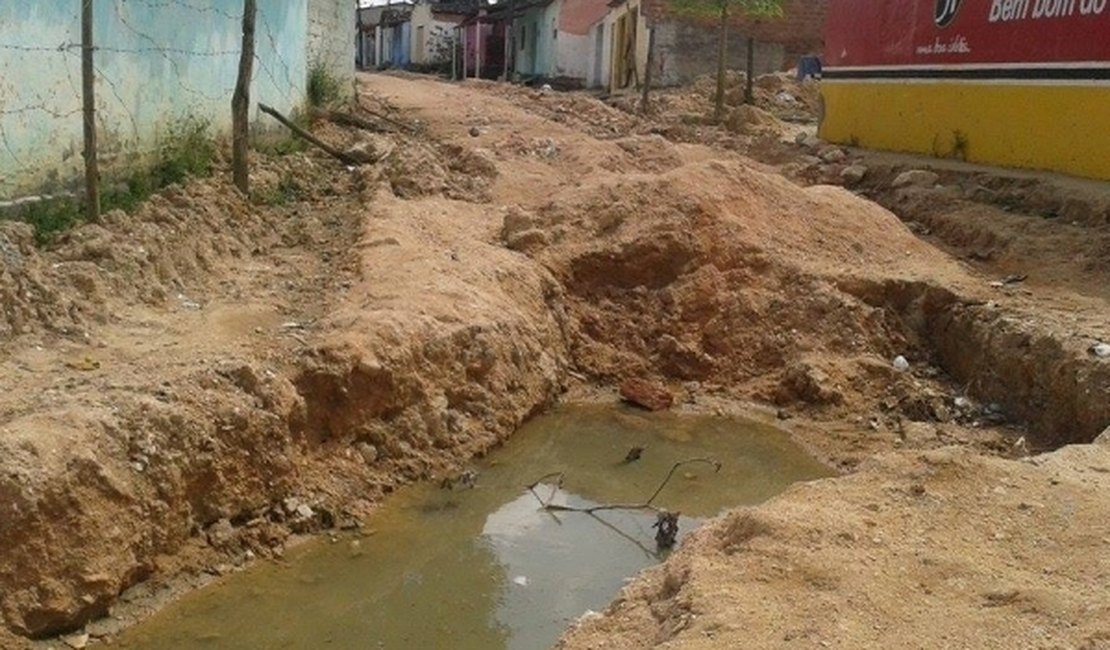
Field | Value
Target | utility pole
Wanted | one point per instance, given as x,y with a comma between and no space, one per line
88,89
241,101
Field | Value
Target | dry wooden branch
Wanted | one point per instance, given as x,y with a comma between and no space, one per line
646,505
308,137
386,118
346,119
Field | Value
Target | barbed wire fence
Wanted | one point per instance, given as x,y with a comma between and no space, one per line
155,61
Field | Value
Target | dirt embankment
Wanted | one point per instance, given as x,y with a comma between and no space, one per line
193,383
921,550
190,384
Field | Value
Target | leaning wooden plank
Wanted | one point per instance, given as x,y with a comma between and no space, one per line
308,137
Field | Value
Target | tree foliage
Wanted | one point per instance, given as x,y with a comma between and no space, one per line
712,9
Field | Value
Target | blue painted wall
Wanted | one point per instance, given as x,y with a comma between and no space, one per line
156,62
536,55
401,45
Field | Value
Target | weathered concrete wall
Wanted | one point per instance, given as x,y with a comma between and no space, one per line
156,62
577,40
799,30
685,50
331,39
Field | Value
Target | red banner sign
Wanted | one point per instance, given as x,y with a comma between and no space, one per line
946,33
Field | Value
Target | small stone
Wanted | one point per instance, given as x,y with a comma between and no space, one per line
527,240
916,178
918,433
645,394
368,452
1101,350
901,364
304,511
811,142
77,641
221,533
475,132
832,154
290,505
361,153
853,174
516,221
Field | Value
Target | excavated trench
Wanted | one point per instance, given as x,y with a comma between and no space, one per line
680,278
1058,392
482,565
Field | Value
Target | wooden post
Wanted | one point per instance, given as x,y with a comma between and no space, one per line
478,51
749,84
465,57
240,103
88,93
455,56
510,46
722,52
645,105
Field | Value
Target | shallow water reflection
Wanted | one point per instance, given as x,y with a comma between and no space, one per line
485,568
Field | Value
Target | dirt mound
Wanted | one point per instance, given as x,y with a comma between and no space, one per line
751,119
779,93
577,110
873,559
718,272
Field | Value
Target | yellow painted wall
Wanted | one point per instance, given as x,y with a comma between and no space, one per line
1056,127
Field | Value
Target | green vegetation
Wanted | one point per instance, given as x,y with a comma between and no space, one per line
286,191
185,150
282,143
324,89
52,216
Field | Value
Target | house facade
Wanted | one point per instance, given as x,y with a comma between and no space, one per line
384,35
686,47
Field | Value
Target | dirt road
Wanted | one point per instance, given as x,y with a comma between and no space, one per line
191,384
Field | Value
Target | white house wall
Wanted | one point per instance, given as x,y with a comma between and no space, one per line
573,51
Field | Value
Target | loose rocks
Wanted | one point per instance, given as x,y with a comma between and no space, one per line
645,394
916,178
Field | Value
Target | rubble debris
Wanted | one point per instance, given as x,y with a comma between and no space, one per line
853,174
916,178
645,394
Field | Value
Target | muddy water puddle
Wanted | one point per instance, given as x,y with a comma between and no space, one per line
485,568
